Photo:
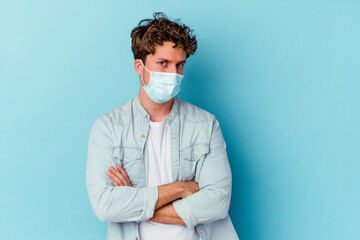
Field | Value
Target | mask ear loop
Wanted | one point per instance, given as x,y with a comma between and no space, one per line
142,81
146,70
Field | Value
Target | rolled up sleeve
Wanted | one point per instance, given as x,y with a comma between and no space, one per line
113,203
212,202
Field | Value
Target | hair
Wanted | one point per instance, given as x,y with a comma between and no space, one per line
151,32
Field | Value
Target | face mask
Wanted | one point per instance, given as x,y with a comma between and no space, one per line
162,86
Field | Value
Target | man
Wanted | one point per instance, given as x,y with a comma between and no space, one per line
157,166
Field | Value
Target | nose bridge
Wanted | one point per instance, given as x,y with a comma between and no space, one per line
173,68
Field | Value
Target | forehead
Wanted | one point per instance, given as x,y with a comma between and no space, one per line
168,52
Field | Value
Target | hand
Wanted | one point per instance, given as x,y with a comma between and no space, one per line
189,188
119,178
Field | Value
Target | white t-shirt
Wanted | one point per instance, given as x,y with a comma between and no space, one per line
158,150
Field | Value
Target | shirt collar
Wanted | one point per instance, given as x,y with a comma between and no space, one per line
145,114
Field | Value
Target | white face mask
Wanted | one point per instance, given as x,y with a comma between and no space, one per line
163,86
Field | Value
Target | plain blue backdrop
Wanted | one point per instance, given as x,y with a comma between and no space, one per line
282,77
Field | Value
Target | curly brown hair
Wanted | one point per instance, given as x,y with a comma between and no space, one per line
151,32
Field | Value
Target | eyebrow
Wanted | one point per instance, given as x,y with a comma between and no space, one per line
166,60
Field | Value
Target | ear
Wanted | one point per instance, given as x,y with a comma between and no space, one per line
138,66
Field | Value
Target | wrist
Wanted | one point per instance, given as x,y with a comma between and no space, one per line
180,187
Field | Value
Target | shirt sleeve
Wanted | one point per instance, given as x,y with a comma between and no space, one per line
113,203
212,202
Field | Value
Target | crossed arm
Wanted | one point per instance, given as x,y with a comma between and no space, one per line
174,203
164,209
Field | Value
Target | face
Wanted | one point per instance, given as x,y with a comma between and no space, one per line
165,59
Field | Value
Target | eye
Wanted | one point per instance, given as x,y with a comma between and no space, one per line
162,63
180,65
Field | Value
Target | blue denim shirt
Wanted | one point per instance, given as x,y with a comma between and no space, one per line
198,153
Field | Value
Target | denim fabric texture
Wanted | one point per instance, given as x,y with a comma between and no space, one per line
198,153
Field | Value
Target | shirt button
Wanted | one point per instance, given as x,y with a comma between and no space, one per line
174,135
146,116
169,118
201,230
195,156
143,136
136,238
174,159
124,158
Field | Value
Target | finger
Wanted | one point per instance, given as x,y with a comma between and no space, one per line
123,173
119,175
116,178
115,183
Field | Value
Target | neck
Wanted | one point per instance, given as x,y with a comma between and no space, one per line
157,111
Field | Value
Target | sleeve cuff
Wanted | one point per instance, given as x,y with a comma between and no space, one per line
183,209
150,200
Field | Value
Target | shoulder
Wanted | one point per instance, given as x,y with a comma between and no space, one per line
194,113
120,115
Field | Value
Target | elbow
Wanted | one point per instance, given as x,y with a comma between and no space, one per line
102,214
221,205
101,217
101,207
106,215
220,211
223,212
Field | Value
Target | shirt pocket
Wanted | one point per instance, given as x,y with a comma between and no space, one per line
130,160
191,159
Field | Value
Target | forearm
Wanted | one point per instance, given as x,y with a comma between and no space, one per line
168,193
167,214
207,205
122,204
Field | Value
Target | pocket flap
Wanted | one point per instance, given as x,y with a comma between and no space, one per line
195,152
127,154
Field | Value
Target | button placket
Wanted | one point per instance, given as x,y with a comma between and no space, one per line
175,157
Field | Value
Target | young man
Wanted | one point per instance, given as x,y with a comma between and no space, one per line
157,166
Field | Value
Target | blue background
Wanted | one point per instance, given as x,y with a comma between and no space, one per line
282,77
